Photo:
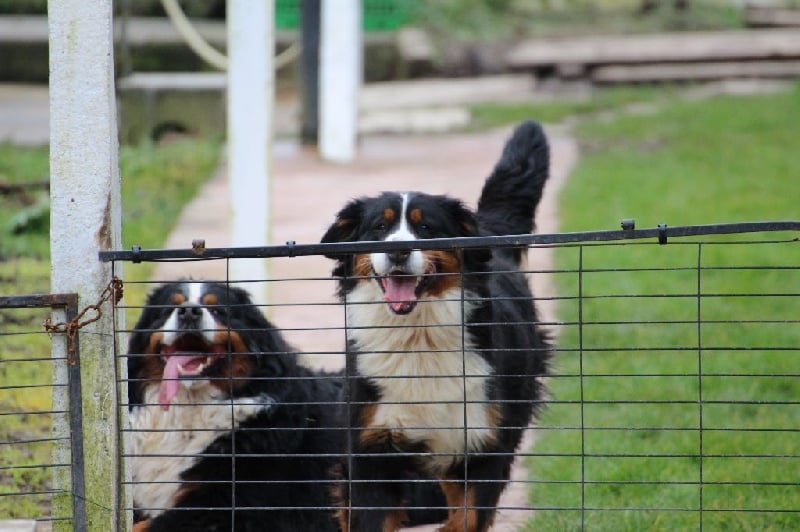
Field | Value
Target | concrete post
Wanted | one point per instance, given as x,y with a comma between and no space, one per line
340,79
251,88
84,220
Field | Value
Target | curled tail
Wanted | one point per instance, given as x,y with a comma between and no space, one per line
508,201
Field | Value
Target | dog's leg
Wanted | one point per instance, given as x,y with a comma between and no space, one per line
473,504
462,513
141,526
372,501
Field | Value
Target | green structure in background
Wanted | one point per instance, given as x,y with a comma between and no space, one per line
378,15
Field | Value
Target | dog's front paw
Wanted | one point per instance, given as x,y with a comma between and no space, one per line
247,407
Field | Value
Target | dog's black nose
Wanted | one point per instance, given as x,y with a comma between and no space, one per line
398,257
189,315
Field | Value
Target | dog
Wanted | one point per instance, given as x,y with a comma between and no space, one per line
228,431
449,363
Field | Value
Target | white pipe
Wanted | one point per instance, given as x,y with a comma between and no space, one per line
203,48
251,88
339,79
196,42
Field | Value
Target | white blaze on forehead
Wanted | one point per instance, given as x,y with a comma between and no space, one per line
194,295
402,232
195,292
416,262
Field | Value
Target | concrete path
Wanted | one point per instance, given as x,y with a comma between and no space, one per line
24,114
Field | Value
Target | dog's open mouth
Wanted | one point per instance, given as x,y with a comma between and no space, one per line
401,289
187,357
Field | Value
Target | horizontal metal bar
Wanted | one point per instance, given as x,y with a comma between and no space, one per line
39,301
345,248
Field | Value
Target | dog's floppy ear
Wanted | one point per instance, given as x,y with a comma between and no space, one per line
468,226
344,228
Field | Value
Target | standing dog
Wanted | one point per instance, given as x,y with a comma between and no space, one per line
448,359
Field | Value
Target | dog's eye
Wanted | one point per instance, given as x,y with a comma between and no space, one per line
380,226
424,227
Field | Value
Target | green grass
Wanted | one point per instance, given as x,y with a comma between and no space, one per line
490,115
470,21
726,159
157,180
23,228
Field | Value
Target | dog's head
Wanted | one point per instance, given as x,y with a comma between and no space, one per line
405,276
195,333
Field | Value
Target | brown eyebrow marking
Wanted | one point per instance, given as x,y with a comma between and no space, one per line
210,299
388,214
415,215
177,298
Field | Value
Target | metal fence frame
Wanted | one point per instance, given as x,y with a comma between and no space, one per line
68,304
661,235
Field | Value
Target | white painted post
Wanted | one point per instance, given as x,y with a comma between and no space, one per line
84,220
340,79
251,87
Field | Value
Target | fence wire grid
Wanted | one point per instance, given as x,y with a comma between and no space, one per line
673,395
41,453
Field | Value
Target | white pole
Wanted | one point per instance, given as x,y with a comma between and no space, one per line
84,220
251,87
339,78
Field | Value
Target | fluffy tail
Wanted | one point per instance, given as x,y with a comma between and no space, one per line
509,198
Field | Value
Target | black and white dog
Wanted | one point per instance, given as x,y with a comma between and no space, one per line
448,357
228,431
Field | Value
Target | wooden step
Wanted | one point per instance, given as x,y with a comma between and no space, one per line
534,54
703,71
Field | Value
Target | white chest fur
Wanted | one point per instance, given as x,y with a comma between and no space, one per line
432,382
165,443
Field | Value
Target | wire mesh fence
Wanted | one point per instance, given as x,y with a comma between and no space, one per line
41,456
672,403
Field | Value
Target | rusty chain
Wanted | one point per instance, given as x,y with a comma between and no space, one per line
70,328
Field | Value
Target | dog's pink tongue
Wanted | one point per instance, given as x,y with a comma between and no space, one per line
169,379
398,291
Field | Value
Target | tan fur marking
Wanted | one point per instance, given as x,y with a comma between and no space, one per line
141,526
155,339
394,520
240,362
415,215
371,435
469,228
388,214
362,265
152,368
343,516
177,298
458,520
448,269
493,420
230,339
210,300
